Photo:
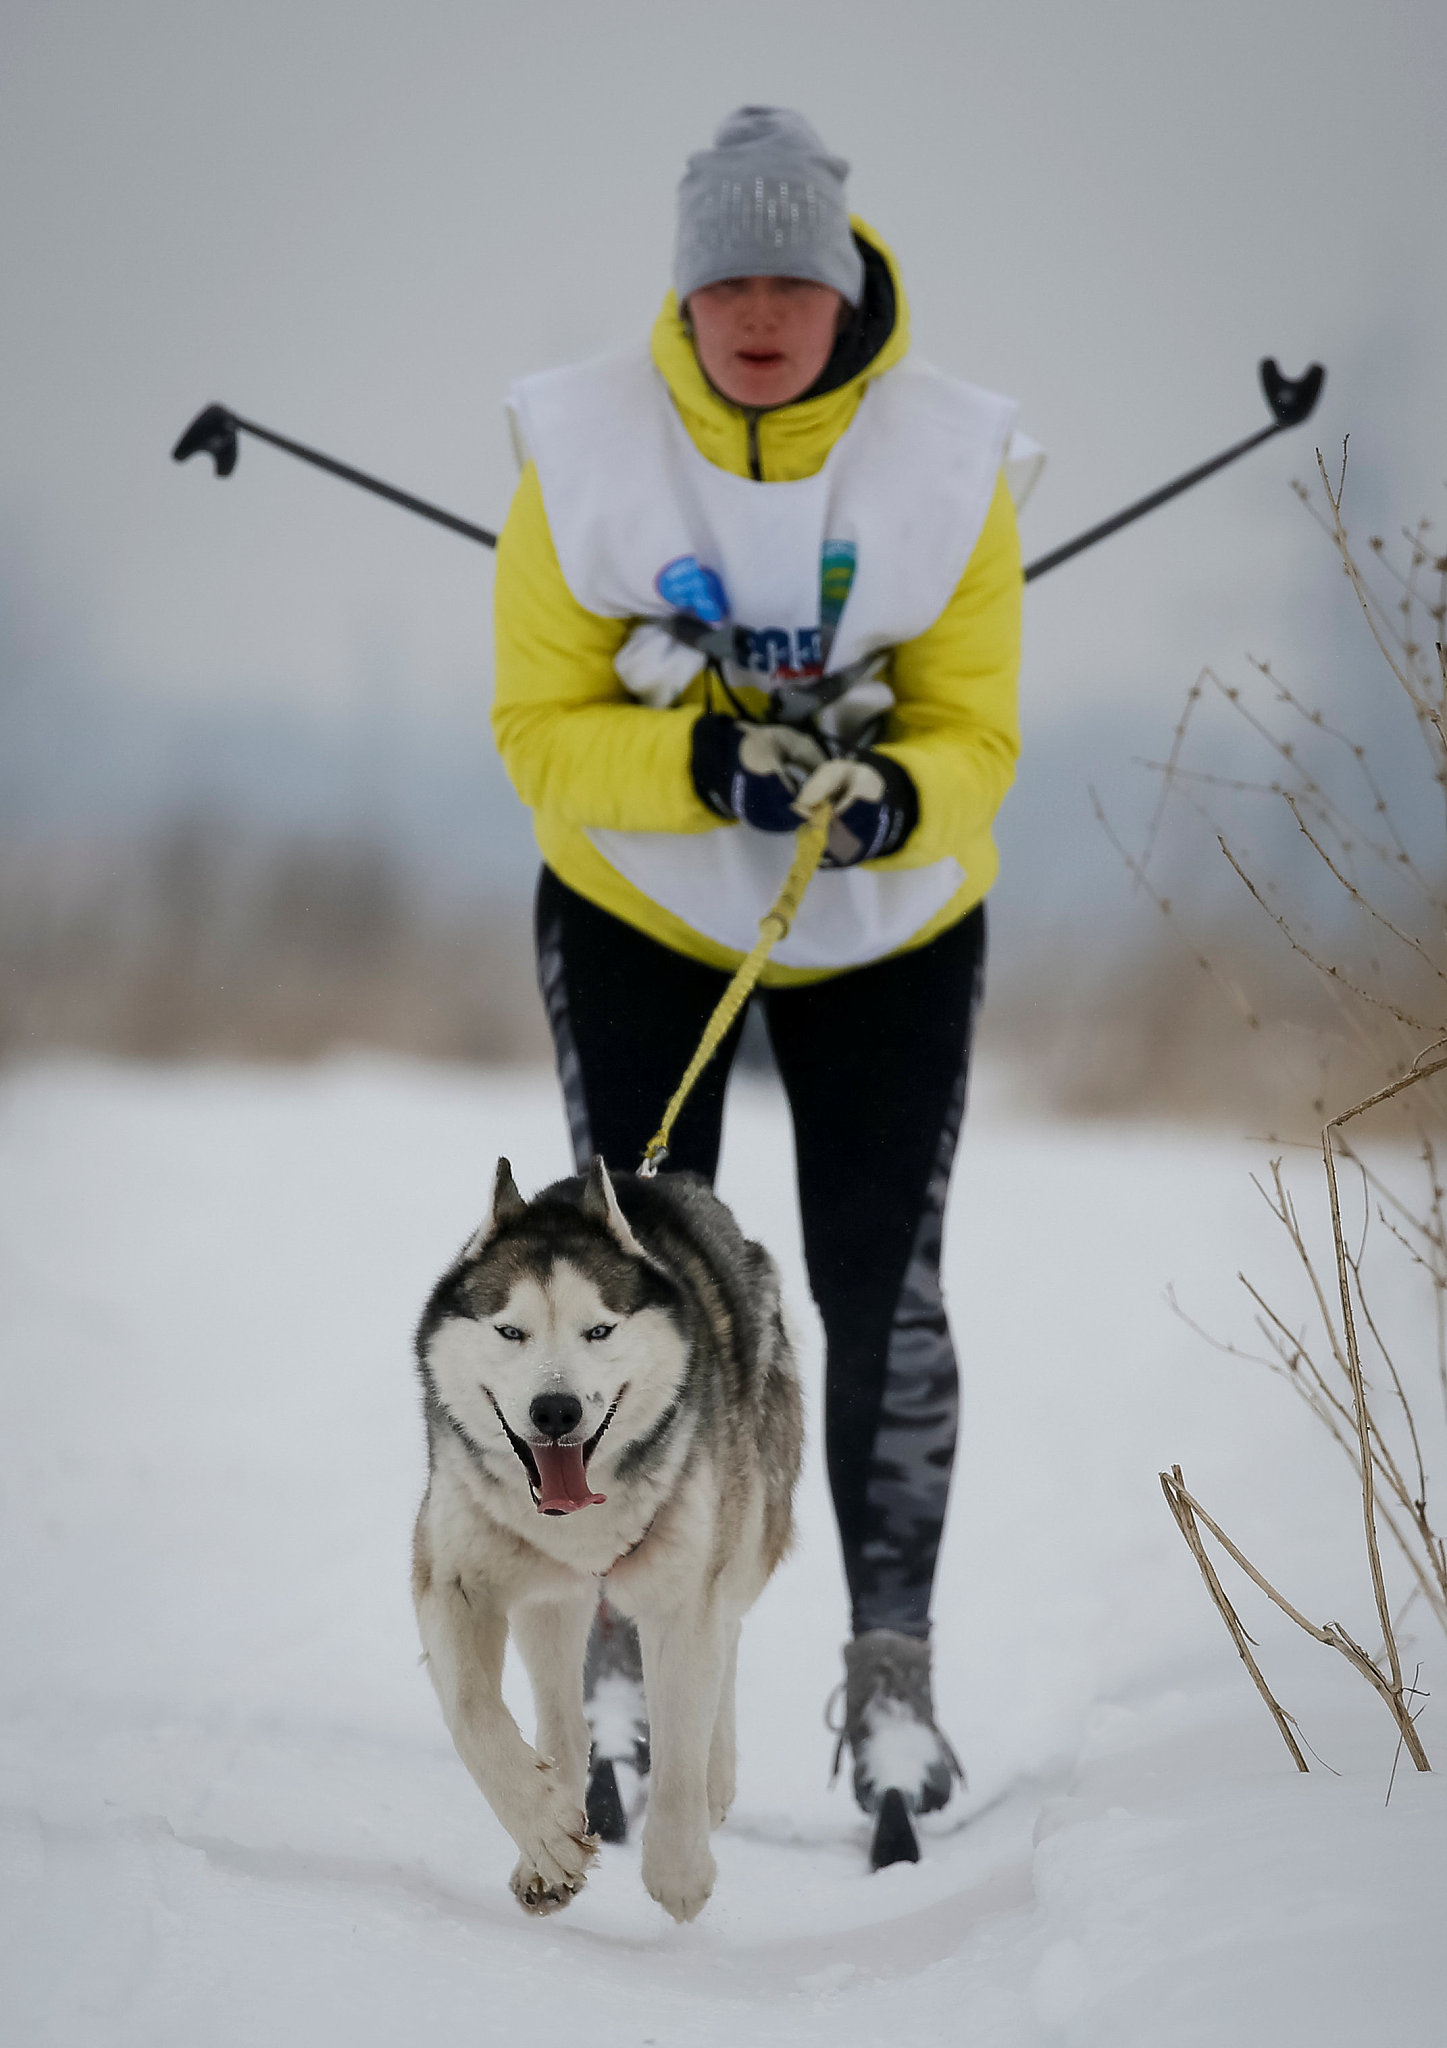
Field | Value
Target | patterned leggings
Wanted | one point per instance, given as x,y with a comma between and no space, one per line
874,1064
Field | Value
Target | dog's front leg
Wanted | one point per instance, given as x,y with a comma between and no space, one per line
722,1748
683,1667
464,1634
553,1638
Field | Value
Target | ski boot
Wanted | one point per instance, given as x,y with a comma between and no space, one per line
903,1765
617,1716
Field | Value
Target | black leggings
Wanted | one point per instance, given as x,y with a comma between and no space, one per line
874,1063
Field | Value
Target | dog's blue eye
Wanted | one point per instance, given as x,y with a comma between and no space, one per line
511,1332
599,1331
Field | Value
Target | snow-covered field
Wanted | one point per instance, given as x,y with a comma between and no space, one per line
230,1814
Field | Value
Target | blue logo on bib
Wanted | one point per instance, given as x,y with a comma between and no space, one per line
689,587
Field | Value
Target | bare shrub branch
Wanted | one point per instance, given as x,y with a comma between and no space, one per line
1184,1509
1380,992
1327,968
1187,1512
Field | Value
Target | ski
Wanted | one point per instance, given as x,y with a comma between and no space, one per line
606,1817
895,1840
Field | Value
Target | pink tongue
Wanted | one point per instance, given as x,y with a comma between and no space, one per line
564,1483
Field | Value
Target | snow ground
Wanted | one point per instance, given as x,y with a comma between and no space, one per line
229,1812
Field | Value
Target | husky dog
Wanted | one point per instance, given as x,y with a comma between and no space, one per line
611,1402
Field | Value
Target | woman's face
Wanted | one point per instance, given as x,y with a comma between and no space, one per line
764,340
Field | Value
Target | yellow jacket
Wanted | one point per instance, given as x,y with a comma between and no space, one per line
582,752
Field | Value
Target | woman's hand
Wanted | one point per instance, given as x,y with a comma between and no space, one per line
874,803
753,772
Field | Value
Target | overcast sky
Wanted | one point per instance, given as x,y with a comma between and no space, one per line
357,221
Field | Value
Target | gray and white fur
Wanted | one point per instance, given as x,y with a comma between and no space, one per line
626,1334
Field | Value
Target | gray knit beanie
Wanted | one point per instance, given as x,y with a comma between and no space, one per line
766,201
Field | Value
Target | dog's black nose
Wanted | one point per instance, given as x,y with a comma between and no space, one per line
555,1414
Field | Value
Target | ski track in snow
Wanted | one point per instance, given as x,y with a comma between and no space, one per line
229,1811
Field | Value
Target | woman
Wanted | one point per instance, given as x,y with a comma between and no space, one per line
772,560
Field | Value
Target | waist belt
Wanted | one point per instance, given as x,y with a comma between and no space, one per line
793,703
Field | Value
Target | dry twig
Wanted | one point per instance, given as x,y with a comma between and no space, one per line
1187,1512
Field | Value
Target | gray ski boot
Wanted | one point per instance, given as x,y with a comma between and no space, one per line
617,1715
903,1764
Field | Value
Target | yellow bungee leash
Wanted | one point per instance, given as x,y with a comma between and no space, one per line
773,926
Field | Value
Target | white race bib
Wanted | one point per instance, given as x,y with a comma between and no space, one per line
822,572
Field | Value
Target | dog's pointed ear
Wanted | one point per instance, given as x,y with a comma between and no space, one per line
506,1201
600,1203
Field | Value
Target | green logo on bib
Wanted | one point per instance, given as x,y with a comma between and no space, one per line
836,579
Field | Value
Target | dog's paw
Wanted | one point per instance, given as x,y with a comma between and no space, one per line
556,1850
680,1879
537,1892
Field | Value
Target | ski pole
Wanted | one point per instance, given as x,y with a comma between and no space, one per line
1292,399
213,432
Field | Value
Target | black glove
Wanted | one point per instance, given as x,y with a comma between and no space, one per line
752,772
876,807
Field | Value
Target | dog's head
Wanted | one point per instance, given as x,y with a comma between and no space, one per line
555,1342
